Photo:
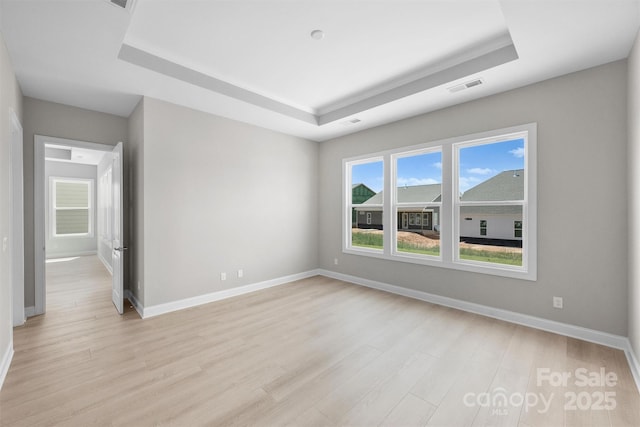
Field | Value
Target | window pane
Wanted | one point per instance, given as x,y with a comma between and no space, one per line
492,172
72,195
72,221
418,230
487,234
366,181
419,178
367,191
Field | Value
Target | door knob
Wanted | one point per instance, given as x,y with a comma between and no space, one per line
121,249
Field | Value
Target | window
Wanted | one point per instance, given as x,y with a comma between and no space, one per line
517,229
491,184
417,180
71,207
368,235
466,203
483,227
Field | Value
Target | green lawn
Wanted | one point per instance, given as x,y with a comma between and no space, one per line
414,249
367,240
508,258
374,241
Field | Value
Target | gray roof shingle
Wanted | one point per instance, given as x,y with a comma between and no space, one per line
412,194
507,185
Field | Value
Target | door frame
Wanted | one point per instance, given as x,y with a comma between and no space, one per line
405,220
39,188
17,220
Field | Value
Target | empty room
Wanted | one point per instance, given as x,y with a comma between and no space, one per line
320,213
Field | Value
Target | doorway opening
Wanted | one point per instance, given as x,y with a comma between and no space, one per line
78,222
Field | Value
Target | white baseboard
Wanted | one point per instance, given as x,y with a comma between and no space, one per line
6,362
159,309
634,365
29,311
69,254
585,334
134,302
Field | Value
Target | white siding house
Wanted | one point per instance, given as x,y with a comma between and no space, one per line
494,222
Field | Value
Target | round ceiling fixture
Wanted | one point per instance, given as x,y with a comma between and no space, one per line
317,34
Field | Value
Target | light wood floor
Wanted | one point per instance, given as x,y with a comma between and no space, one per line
314,352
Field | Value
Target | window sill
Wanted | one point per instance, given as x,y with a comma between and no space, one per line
469,266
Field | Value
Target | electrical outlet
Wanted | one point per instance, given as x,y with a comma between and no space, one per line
138,285
557,302
240,273
335,261
223,276
5,241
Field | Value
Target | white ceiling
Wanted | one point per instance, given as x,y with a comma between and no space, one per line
255,61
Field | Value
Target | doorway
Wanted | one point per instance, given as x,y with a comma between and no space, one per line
405,220
76,212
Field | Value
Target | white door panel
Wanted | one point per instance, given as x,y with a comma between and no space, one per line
117,285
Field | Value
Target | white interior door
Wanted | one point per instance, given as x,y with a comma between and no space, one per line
117,291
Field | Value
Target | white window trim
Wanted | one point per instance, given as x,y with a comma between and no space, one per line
449,213
53,209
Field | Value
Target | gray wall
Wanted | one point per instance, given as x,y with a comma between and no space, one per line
582,192
633,160
10,99
62,121
70,246
219,196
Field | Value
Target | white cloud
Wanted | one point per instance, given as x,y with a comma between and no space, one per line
466,182
517,152
437,165
481,171
402,182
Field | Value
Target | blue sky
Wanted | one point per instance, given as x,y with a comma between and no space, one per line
369,174
477,164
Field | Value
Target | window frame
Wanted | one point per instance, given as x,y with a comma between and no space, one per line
449,216
53,180
394,156
349,205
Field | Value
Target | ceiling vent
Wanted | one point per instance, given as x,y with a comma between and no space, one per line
467,85
351,121
124,4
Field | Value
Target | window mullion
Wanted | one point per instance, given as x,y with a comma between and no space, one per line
388,222
448,188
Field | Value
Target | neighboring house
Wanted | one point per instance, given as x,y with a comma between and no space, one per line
360,193
494,222
480,222
425,219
